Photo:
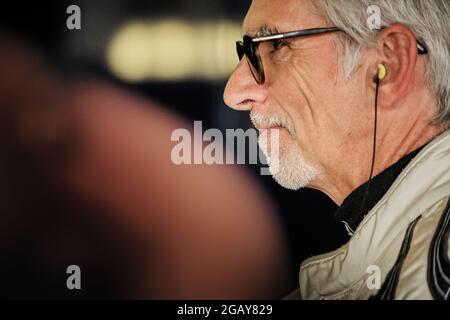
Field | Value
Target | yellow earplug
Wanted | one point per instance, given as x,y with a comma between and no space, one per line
381,71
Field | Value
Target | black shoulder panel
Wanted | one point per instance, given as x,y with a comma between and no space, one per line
438,260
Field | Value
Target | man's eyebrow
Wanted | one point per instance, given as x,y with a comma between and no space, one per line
263,31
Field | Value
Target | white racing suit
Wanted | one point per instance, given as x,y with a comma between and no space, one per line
401,248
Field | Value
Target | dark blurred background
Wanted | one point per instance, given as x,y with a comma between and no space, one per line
178,52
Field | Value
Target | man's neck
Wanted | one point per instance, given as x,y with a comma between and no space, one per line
389,150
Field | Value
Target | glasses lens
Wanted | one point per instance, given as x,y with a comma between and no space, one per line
254,61
240,50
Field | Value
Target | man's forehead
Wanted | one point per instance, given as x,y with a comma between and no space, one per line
266,17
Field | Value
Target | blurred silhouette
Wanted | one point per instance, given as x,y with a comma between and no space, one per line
87,180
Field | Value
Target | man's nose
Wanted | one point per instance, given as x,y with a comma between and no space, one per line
242,91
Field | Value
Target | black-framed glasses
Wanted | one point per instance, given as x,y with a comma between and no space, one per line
249,47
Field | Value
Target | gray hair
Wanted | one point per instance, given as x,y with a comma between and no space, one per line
429,20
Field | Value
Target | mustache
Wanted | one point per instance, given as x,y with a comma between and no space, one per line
260,120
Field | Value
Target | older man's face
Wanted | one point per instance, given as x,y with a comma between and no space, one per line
303,91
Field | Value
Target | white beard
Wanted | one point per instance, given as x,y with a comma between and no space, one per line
286,162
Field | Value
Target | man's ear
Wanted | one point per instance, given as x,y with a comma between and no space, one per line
397,47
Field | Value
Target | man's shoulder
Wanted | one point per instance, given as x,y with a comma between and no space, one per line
422,268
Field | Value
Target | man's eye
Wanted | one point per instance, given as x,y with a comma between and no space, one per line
278,44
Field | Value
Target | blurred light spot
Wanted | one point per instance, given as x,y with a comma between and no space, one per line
173,50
